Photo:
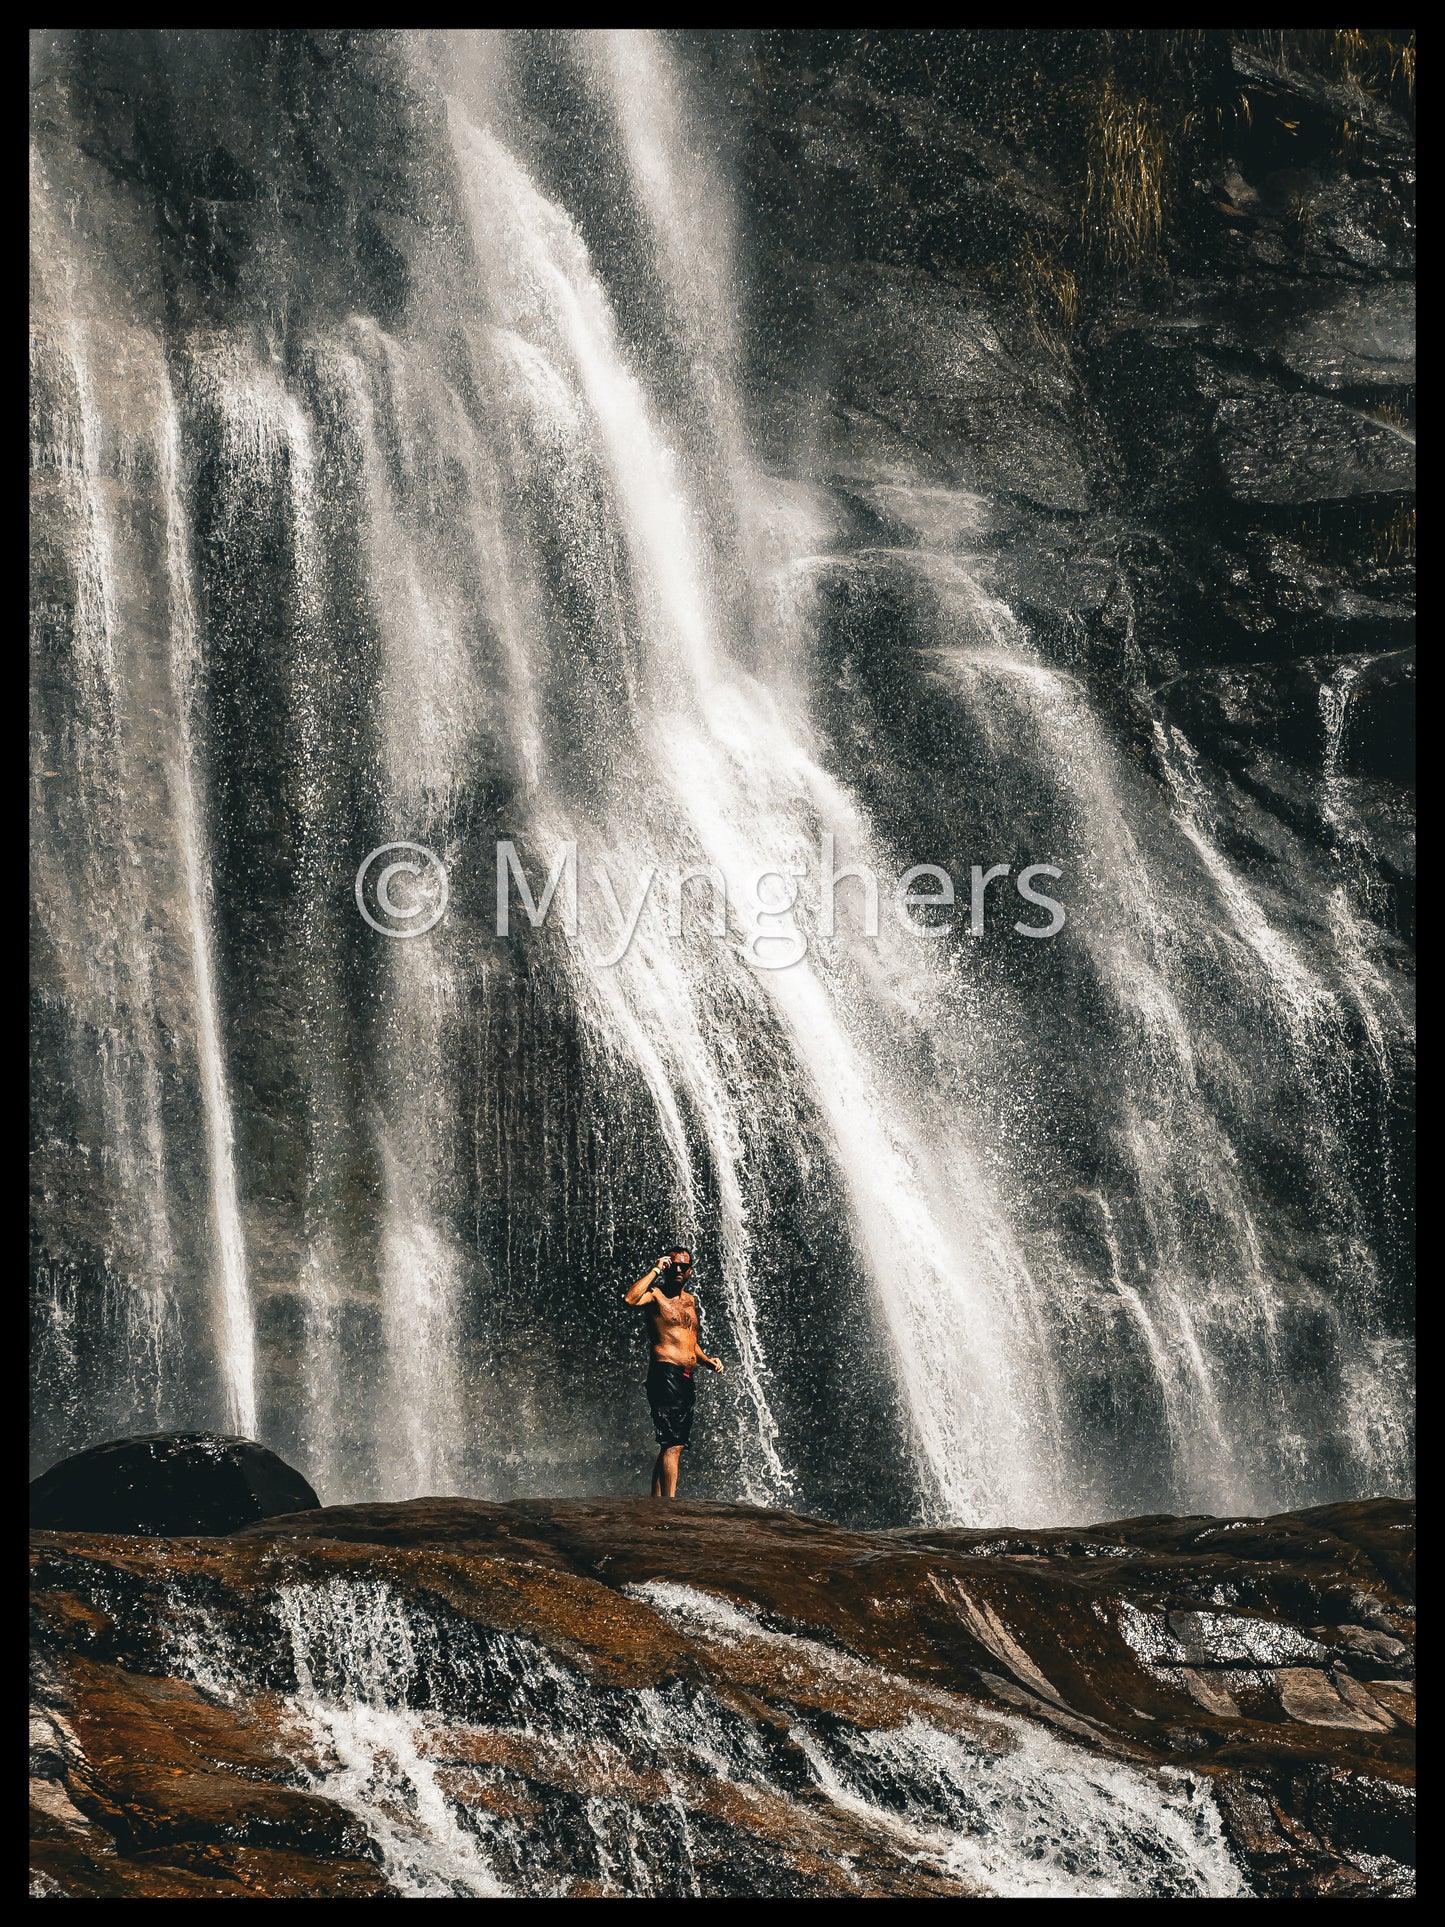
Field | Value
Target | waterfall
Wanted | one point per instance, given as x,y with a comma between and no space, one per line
130,828
455,527
484,1767
1353,933
234,1322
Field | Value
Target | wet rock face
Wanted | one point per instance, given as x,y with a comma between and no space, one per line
1307,449
617,1698
917,213
192,1482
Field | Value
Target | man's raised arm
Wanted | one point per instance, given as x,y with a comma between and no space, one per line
642,1293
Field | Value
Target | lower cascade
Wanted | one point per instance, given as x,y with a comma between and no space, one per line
985,1808
451,1699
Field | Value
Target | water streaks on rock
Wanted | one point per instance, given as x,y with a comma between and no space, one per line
448,1697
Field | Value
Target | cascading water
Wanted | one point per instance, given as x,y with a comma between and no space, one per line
233,1318
450,532
483,1767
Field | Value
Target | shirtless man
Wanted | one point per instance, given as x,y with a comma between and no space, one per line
673,1319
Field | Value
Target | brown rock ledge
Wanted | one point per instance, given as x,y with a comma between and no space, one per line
191,1731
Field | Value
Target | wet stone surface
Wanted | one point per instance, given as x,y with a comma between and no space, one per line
614,1698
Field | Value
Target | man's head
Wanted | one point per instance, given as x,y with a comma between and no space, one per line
679,1272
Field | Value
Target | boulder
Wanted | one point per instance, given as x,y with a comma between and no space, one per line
173,1482
1354,338
1282,448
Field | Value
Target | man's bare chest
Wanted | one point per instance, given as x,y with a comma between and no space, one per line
669,1315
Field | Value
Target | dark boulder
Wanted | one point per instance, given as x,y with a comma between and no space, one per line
1380,743
1296,91
1349,338
174,1482
1309,448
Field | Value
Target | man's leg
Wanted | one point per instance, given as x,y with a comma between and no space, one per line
664,1476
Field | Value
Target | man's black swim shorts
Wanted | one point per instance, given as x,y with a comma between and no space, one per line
670,1392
